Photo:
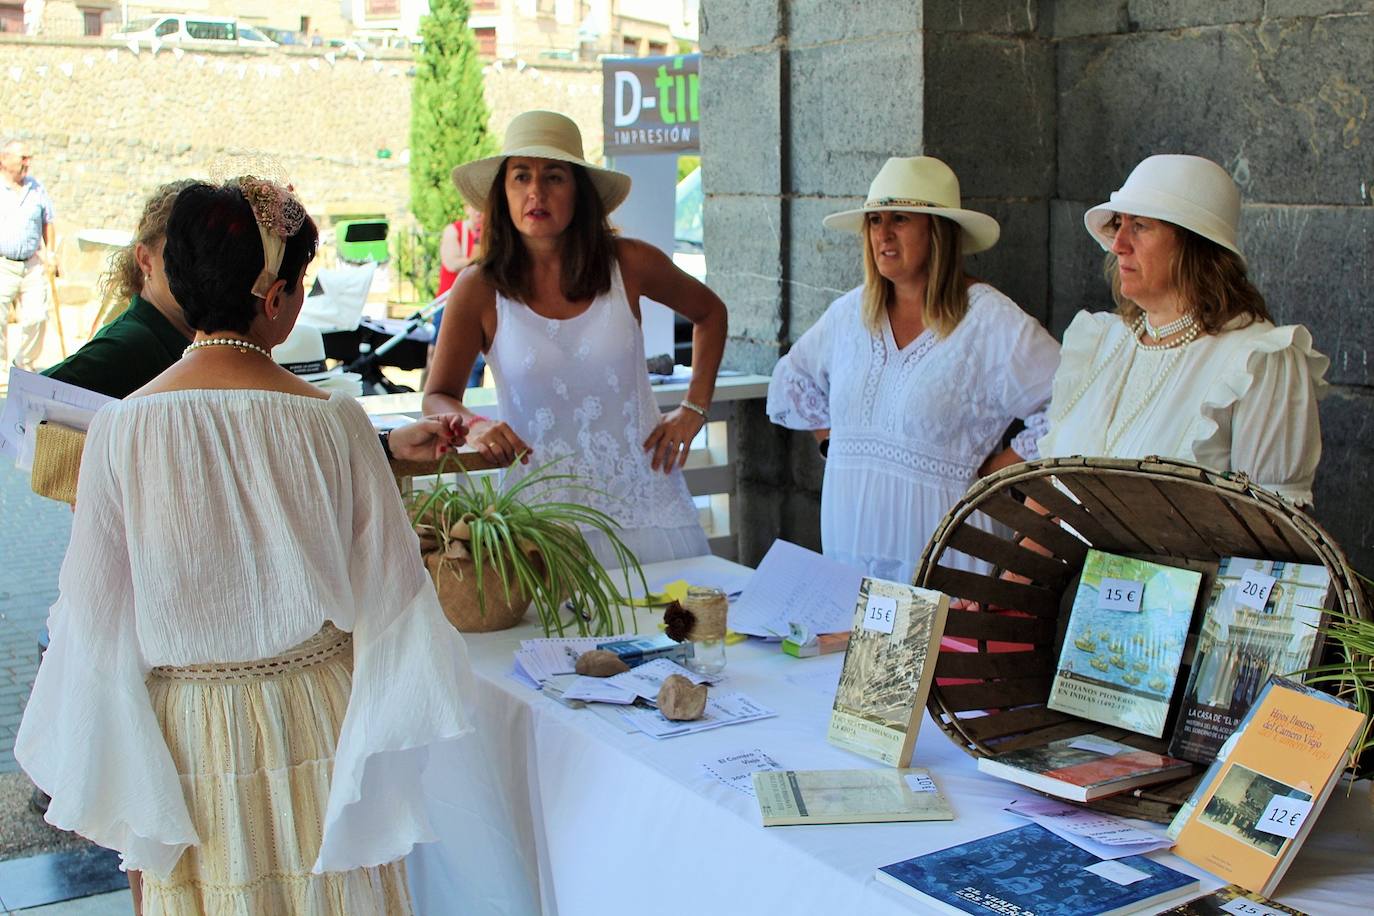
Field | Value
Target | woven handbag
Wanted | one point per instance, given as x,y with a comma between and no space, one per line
56,461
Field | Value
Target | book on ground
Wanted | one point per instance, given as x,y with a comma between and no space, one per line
888,668
1232,900
1124,642
1030,870
1261,619
848,797
1256,804
1084,768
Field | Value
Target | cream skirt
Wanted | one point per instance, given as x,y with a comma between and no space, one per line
254,744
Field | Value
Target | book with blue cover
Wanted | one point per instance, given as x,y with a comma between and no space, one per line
1029,870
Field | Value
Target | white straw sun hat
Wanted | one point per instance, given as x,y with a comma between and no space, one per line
1188,191
921,184
540,135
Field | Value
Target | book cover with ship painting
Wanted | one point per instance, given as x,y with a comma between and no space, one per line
1124,642
1240,645
888,669
1231,900
1084,768
1256,804
1030,870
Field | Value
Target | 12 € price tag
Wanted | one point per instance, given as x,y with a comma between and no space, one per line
880,613
1119,594
1283,816
1254,588
918,783
1242,907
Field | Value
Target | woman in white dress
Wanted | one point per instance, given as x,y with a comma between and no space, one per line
1190,365
248,661
553,301
911,380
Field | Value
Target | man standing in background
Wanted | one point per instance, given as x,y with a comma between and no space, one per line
28,246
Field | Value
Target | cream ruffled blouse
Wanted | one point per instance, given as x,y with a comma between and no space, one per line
1242,400
229,526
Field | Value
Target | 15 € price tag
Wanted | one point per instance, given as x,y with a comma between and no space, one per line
1283,816
880,613
1119,594
1254,588
1242,907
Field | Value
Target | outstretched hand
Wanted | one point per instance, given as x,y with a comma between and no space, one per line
429,438
495,440
672,438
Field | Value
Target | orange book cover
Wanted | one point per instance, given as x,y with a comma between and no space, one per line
1256,805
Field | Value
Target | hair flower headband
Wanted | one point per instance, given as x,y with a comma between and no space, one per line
279,216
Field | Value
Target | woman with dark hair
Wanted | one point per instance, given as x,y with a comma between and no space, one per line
911,381
554,303
248,661
1190,365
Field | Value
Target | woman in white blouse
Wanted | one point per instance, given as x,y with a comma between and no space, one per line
248,661
1190,365
911,380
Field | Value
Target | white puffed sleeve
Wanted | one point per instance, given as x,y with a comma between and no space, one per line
1028,359
412,683
90,738
1261,418
799,391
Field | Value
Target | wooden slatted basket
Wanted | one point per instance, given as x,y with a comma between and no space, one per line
993,699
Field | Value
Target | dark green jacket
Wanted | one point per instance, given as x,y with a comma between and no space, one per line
125,354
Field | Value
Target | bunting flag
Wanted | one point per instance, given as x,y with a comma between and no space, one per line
112,55
66,70
178,53
314,63
295,67
17,74
132,46
155,44
329,56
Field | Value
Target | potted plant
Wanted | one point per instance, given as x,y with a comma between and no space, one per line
493,552
1352,676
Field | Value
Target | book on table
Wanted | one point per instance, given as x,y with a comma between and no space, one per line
1031,870
1124,642
848,797
888,668
1262,618
1257,802
1232,900
1084,768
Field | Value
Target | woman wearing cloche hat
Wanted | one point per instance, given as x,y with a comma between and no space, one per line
553,300
1190,365
911,380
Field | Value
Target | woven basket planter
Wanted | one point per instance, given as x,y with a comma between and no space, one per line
1154,509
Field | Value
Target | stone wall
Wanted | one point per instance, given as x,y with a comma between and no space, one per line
1042,108
107,126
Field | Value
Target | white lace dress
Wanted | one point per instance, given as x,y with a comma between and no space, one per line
1242,400
578,389
218,526
910,427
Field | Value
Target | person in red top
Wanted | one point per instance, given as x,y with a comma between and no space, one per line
458,247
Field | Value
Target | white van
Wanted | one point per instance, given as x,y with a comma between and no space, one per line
176,28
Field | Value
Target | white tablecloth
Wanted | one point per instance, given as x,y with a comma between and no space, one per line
583,818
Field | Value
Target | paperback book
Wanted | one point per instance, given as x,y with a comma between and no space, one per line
848,797
889,665
1232,900
1261,619
1085,768
1030,870
1124,642
1256,804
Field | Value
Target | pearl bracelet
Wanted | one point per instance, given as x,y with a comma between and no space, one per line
701,411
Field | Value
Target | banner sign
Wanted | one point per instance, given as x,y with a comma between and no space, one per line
650,104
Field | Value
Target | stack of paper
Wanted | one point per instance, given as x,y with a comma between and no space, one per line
624,688
537,660
794,585
724,708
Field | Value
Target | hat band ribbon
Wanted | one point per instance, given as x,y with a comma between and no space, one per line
305,368
899,202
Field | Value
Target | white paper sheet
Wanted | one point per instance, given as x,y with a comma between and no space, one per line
796,585
725,708
598,690
737,770
646,679
1103,835
731,581
541,659
32,398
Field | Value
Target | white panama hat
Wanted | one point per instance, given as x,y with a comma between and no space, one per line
921,184
302,353
1188,191
539,135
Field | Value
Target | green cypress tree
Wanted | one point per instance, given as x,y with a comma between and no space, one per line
448,125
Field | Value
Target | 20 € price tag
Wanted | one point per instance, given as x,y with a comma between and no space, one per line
1283,816
880,613
1254,588
1242,907
1119,594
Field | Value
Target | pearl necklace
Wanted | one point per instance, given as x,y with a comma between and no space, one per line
1120,346
1156,384
1173,327
243,345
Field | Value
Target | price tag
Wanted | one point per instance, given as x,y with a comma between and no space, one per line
1119,595
1117,872
1254,588
918,783
1242,907
1283,816
880,613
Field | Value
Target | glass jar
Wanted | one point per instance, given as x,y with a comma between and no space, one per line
710,607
